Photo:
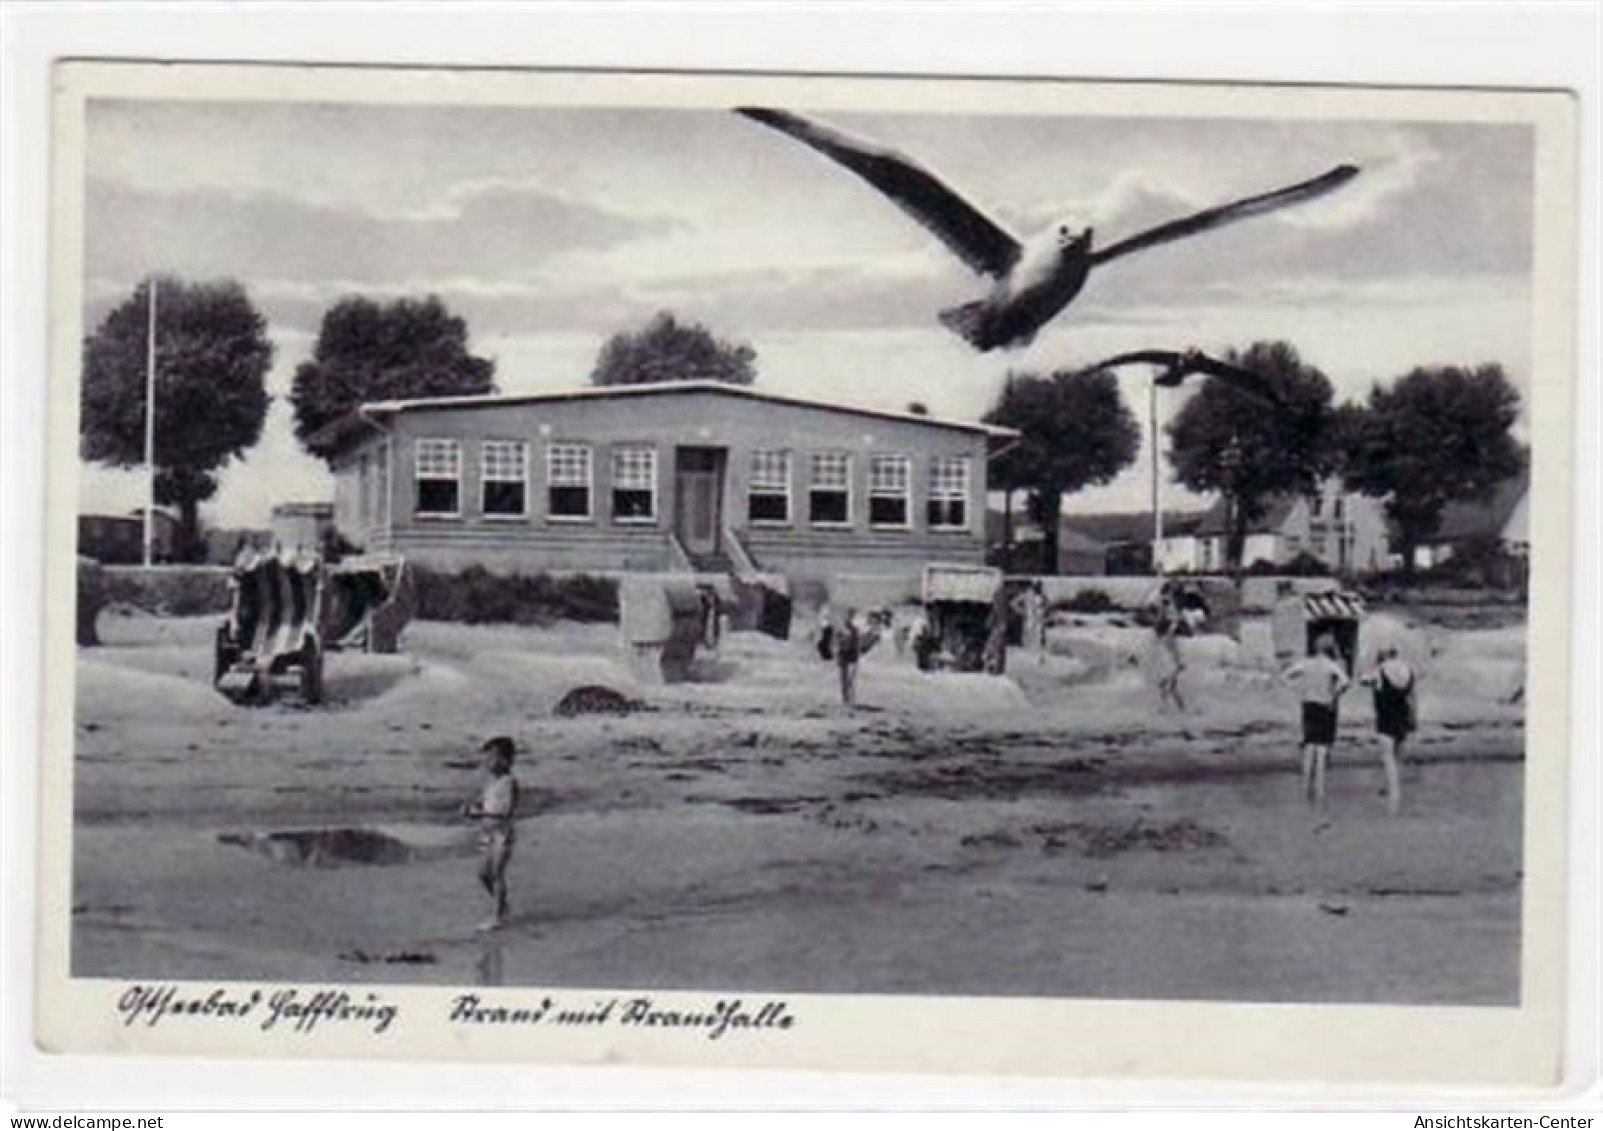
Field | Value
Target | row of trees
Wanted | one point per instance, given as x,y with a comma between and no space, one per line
213,354
1433,436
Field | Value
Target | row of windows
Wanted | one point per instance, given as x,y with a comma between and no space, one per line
569,483
504,480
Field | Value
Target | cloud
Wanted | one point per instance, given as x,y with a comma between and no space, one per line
1391,172
488,229
1135,199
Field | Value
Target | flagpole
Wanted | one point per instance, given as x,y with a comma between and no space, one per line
150,417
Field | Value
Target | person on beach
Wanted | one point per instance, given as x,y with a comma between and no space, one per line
494,810
824,637
1396,716
848,650
1323,680
1031,604
1170,626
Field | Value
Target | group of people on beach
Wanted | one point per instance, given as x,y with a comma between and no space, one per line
1323,679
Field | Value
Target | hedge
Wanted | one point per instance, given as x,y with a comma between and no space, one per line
477,596
170,591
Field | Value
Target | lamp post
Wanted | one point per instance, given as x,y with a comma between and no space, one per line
150,417
1157,503
1230,460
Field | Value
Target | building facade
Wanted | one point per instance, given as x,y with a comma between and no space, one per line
1344,530
687,475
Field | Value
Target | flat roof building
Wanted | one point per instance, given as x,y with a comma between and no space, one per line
685,475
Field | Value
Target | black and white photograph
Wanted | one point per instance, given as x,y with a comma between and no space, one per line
896,539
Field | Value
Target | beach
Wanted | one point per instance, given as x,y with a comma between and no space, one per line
1050,832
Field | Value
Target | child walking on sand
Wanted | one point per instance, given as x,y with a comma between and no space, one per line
1323,681
848,651
1168,662
495,809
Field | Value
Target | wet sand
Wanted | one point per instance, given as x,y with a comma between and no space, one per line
1050,834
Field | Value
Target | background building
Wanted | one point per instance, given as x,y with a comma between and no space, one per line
119,539
1120,542
1345,531
686,475
304,525
1502,520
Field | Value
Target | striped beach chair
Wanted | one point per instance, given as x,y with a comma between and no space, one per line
1300,619
368,600
272,634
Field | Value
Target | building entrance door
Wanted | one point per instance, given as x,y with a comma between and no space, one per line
698,498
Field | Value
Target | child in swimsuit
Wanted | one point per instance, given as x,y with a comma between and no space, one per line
494,810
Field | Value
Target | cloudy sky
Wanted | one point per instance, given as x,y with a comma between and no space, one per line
550,229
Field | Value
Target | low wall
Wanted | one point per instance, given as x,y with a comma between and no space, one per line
169,590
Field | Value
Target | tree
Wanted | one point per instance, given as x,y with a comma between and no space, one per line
212,358
1076,432
1436,436
666,350
370,352
1229,442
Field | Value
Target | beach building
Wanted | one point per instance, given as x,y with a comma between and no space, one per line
695,475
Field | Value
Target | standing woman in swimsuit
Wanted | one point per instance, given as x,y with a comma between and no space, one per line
1396,716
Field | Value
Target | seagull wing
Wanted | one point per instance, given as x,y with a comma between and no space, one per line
1229,213
1245,380
1136,357
1180,365
974,237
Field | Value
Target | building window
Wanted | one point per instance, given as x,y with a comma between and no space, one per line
439,476
829,490
768,497
505,467
567,473
948,501
634,484
890,491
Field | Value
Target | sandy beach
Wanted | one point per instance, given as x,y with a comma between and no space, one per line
1047,833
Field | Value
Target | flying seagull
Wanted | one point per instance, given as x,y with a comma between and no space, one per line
1177,365
1034,279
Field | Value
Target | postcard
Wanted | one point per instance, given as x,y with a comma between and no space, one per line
943,575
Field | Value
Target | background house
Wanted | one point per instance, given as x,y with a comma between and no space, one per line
304,525
1345,531
1502,520
1122,540
685,475
119,539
